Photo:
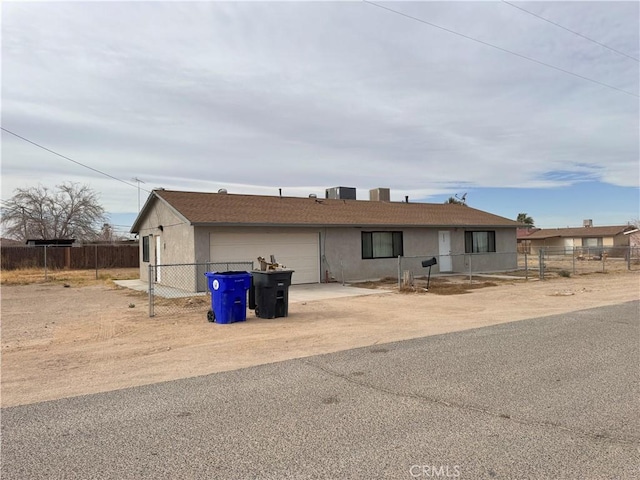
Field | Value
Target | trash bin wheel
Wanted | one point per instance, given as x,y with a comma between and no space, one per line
211,316
257,311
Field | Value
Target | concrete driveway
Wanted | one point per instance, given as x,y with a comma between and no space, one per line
297,293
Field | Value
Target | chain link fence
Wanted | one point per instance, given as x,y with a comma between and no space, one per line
565,261
546,263
179,288
470,264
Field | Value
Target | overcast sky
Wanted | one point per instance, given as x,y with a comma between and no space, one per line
256,96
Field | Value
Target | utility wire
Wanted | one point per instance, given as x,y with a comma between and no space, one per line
72,160
571,31
502,49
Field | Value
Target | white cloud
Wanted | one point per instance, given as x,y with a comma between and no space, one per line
304,96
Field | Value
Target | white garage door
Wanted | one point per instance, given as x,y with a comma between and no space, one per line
296,251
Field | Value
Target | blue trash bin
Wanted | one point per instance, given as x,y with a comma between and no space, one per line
228,296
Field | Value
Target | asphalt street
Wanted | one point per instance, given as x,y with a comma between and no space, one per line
554,397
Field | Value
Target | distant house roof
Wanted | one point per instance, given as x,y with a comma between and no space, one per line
57,242
209,209
523,233
610,231
10,242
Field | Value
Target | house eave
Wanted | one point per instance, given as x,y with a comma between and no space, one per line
347,225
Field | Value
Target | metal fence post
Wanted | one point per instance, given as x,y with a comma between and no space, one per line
399,270
541,263
470,270
96,260
46,278
150,280
526,266
573,256
629,258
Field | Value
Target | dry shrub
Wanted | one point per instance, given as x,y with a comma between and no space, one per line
444,286
184,302
76,278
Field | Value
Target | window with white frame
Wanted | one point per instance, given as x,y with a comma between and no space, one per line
145,248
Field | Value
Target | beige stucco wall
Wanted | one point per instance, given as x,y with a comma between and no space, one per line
555,243
622,240
176,245
633,240
577,242
342,253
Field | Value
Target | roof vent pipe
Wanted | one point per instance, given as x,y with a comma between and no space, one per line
280,192
222,190
313,195
406,199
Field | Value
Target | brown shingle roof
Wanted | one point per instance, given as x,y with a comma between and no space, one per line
576,232
229,209
525,232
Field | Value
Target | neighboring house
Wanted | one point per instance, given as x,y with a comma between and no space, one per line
524,244
9,242
634,237
321,239
52,242
586,237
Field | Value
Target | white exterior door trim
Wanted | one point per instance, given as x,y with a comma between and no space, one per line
444,250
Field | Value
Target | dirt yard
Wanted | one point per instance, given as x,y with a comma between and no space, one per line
65,340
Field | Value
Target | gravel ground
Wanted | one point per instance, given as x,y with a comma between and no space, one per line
554,397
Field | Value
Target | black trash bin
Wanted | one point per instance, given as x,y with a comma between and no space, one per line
269,294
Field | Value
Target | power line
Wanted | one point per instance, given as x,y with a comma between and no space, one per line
502,49
72,160
571,31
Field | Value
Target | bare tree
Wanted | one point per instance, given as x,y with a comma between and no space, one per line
107,234
70,210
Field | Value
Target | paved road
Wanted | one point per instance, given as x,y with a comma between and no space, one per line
555,397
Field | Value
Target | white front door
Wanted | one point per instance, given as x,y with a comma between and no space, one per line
444,242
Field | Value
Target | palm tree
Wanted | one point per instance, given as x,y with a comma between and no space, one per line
526,219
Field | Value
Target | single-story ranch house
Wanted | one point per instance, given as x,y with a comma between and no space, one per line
586,237
336,238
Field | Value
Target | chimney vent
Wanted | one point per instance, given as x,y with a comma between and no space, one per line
587,223
379,195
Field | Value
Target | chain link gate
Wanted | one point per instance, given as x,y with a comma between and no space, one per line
182,288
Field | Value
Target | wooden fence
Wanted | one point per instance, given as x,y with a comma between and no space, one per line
75,258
